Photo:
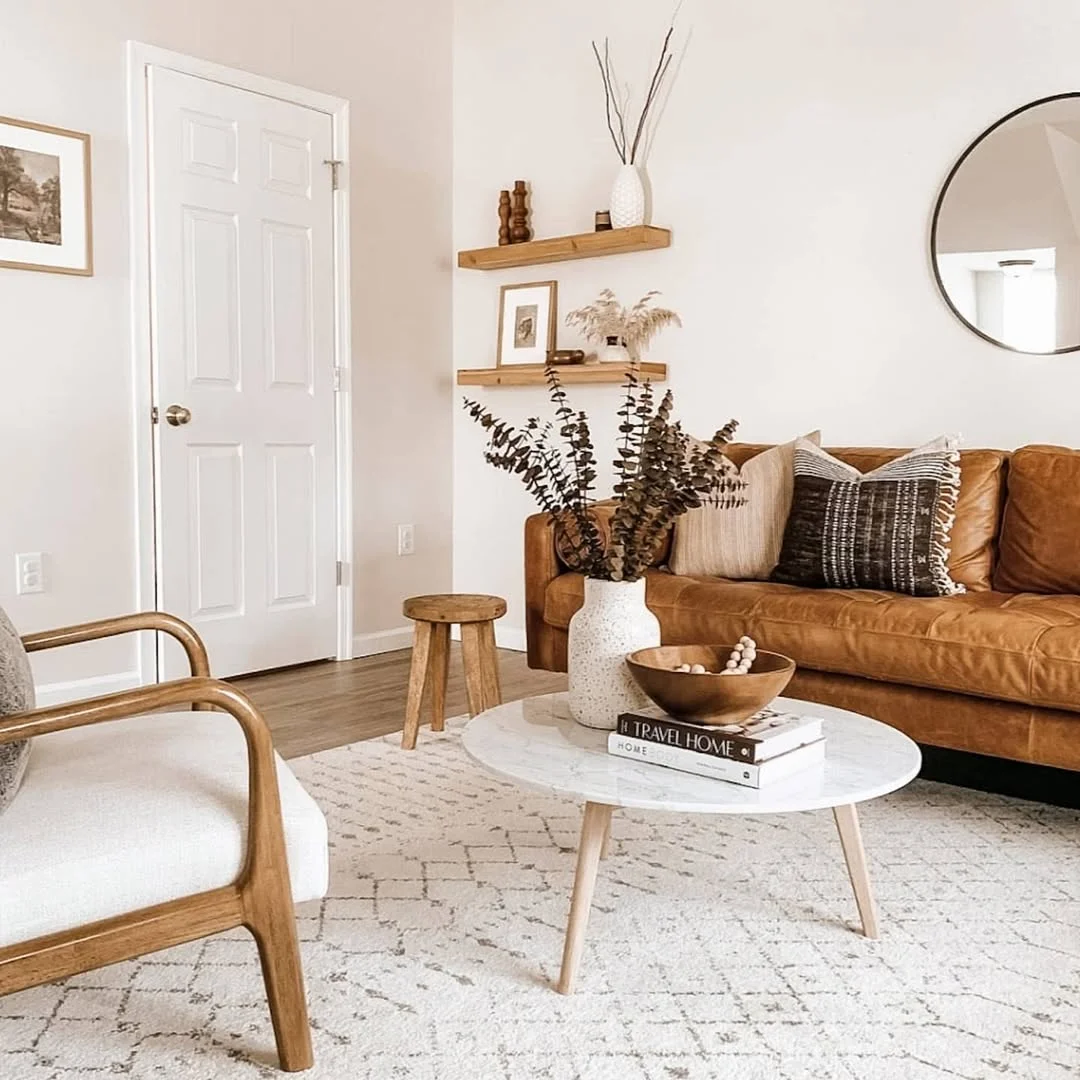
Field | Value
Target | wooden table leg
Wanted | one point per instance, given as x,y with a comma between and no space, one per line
593,828
605,847
438,666
489,660
474,667
847,824
417,676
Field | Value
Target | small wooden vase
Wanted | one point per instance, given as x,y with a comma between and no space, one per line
520,232
504,218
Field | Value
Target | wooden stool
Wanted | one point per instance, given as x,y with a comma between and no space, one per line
434,615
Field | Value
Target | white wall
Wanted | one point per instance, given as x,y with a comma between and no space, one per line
66,383
798,163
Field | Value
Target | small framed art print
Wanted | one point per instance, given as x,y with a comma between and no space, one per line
526,322
44,198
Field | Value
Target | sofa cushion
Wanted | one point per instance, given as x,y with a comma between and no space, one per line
890,528
978,510
16,695
741,542
1021,648
123,815
1040,538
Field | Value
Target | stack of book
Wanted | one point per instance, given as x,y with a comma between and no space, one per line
768,747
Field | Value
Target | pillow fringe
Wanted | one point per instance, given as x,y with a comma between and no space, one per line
944,518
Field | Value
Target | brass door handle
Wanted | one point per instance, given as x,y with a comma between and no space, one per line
177,415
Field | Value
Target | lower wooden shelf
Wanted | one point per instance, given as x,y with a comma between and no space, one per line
569,374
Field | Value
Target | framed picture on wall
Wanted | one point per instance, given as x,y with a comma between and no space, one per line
44,198
526,322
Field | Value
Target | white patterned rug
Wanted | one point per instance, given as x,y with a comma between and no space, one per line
718,947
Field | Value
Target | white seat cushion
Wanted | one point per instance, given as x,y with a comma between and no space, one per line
127,814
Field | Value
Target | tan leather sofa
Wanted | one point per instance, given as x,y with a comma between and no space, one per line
995,670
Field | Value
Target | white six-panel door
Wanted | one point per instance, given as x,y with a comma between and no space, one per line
242,322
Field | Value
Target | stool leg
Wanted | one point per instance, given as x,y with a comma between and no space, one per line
472,657
438,666
489,658
417,676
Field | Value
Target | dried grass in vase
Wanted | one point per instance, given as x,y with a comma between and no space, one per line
635,327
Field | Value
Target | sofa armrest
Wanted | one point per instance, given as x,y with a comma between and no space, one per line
542,566
125,624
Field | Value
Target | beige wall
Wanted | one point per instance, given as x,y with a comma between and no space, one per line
66,399
798,163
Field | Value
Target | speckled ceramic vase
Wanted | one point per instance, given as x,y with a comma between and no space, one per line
627,198
614,621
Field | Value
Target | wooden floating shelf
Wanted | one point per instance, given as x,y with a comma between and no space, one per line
569,374
562,248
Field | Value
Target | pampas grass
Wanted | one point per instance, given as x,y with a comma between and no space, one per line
635,327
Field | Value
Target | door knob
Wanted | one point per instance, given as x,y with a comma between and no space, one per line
177,415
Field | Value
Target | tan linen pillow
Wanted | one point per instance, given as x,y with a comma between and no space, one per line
742,543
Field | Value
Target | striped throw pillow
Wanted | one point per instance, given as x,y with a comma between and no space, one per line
886,529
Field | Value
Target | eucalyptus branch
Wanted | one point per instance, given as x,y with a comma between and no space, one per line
660,473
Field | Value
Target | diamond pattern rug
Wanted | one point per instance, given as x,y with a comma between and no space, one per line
717,947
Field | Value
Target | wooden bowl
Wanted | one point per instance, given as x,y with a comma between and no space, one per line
708,699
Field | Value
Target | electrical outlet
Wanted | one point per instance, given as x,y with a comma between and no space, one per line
29,573
406,540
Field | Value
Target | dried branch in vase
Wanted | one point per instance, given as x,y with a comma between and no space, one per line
616,108
660,473
634,327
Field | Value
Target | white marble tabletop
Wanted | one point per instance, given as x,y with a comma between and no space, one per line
537,743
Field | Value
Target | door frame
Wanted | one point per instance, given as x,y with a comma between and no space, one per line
147,522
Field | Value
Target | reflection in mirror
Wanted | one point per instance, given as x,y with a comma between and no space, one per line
1006,232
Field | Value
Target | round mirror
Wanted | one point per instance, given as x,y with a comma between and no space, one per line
1006,233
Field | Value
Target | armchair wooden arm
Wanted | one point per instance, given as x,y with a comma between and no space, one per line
125,624
260,898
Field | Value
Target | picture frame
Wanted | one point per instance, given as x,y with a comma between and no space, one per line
527,316
45,205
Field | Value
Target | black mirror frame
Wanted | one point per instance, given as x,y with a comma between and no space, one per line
937,214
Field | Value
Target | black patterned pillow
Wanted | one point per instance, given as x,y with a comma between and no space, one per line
886,529
16,695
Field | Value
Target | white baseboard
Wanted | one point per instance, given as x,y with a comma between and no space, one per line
510,637
58,693
383,641
506,637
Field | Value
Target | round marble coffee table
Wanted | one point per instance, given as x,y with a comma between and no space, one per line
536,743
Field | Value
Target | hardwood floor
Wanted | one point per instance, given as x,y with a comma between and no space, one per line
317,706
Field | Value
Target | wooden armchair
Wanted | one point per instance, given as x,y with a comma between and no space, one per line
259,895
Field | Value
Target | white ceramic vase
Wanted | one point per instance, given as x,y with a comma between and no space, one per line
627,198
614,352
614,621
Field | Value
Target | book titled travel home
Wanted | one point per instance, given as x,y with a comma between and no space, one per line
767,734
736,772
